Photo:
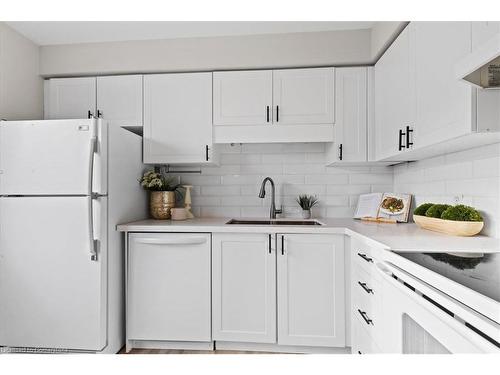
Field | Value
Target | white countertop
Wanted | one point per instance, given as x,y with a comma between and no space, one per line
399,237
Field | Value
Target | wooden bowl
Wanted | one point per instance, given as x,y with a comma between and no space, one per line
454,228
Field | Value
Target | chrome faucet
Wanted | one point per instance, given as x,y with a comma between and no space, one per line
262,194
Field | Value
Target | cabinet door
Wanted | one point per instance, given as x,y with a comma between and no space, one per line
303,96
244,287
311,306
243,98
394,96
443,103
71,98
351,114
168,287
119,99
178,118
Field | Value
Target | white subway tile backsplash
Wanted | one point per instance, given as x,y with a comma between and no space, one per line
230,189
468,177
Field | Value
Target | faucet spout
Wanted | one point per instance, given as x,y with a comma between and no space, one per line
262,194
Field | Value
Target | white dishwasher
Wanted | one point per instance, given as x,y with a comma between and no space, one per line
168,287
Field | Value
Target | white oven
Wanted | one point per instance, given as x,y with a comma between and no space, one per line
420,319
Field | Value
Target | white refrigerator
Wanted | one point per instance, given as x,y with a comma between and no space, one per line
64,186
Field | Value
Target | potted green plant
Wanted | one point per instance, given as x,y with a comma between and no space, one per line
306,202
162,195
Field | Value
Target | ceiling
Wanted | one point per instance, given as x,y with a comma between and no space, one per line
54,32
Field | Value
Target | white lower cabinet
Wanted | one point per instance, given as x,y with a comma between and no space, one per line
168,287
244,287
306,270
311,290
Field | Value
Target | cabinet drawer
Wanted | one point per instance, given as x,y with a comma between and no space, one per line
362,342
366,301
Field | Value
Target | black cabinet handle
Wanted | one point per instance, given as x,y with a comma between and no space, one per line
368,259
359,352
408,132
365,317
206,153
267,113
99,114
277,113
90,114
401,135
366,289
269,244
282,245
340,151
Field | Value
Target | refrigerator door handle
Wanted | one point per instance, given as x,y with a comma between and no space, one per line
93,149
93,242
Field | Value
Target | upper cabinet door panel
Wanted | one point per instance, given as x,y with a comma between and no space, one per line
303,96
443,103
177,117
119,99
71,98
351,113
394,95
242,97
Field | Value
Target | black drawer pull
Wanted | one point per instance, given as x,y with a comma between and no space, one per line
366,289
365,317
359,352
368,259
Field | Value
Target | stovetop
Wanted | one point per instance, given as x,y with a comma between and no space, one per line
480,273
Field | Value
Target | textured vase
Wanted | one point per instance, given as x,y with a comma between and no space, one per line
160,203
306,214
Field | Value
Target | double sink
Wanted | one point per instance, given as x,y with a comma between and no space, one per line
273,222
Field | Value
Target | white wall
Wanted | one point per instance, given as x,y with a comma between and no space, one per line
21,88
471,176
344,47
231,189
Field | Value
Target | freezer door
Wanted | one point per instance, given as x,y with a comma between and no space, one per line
55,157
52,294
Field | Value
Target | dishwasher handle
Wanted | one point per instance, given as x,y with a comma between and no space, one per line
172,241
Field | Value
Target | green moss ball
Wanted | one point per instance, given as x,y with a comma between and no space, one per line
422,209
461,213
436,210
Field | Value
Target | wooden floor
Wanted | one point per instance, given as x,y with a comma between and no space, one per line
174,351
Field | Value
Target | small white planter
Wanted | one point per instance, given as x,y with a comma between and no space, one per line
306,214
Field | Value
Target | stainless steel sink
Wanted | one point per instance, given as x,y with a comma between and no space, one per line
273,222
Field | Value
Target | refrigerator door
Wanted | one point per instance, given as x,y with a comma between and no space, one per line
52,294
55,157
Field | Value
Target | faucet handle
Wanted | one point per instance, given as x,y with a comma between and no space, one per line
279,210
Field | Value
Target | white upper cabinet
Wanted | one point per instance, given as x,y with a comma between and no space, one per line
244,287
243,97
292,105
311,307
443,103
351,116
119,99
421,108
71,98
394,97
178,118
303,96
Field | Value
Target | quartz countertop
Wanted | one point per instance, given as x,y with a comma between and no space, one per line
398,237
